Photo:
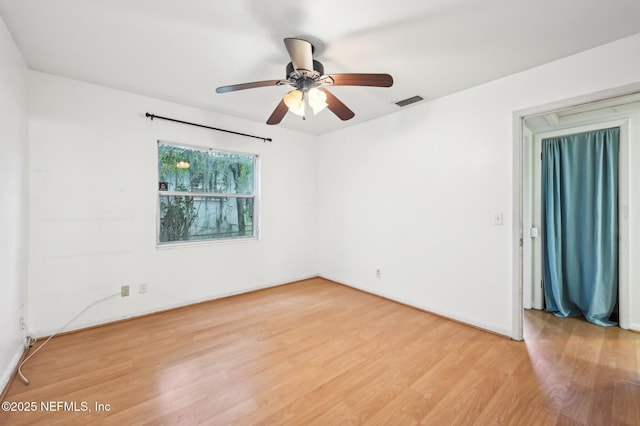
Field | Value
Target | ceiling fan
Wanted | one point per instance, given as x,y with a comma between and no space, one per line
307,77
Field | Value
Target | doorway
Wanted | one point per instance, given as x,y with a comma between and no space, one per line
621,109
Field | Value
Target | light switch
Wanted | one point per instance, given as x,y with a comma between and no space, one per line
497,219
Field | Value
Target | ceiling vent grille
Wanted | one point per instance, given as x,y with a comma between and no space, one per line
409,101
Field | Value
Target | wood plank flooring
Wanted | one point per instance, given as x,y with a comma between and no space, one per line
319,353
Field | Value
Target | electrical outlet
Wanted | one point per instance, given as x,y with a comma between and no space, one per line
142,288
378,273
124,291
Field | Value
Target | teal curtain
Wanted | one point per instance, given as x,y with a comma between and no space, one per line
580,224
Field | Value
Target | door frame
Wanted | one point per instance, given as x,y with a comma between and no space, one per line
517,242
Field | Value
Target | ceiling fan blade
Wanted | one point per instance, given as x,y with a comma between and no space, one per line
278,114
300,52
235,87
336,106
377,80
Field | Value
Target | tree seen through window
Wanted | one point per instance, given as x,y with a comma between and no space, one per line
205,194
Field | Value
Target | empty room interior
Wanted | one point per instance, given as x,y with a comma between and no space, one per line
285,212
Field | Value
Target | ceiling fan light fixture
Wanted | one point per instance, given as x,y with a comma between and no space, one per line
317,100
294,101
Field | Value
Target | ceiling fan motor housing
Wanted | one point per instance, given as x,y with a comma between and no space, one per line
317,67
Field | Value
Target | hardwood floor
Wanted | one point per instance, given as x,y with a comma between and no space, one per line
316,352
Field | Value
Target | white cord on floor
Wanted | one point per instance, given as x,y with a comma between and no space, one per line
22,377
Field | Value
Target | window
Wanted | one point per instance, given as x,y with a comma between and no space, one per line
205,194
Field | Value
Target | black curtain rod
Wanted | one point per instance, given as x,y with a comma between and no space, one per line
152,116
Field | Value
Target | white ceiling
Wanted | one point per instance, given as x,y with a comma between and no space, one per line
181,50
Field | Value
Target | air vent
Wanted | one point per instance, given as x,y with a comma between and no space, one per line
409,101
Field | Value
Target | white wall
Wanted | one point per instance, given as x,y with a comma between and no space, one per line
93,194
415,193
13,202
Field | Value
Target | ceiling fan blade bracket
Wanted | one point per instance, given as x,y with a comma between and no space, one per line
325,80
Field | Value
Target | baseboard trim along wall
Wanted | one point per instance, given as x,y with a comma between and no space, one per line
502,332
40,334
10,371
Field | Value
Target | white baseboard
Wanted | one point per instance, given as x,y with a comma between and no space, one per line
635,327
88,324
7,373
496,330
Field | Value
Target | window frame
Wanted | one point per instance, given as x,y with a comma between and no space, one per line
255,196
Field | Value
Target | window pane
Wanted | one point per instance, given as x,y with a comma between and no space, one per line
194,170
192,218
